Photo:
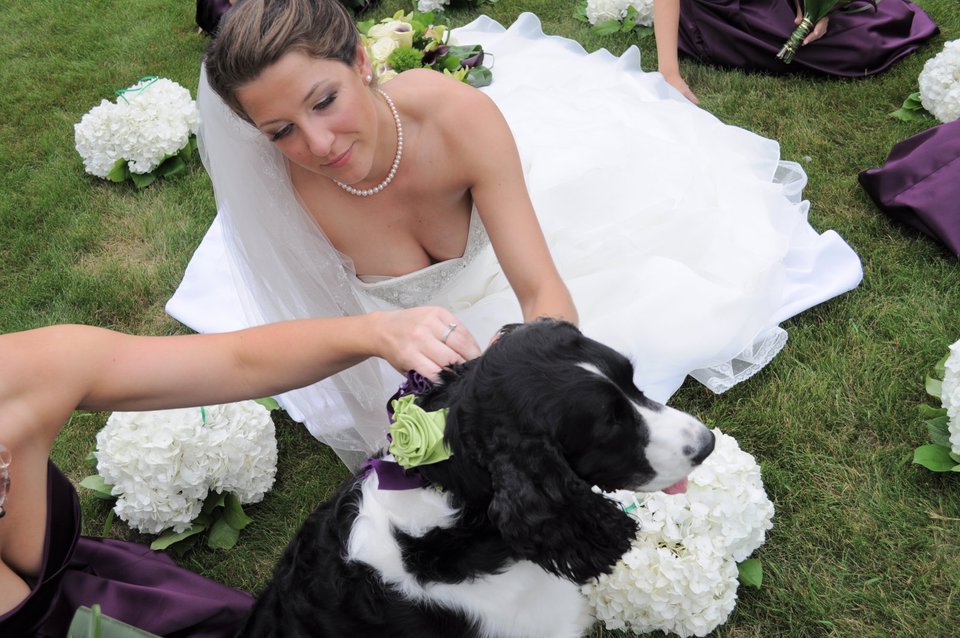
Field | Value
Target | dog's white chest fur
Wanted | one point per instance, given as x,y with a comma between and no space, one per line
524,601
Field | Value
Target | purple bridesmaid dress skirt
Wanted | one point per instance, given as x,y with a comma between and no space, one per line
129,581
747,34
919,185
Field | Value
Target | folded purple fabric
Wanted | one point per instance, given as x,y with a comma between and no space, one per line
747,34
129,581
919,184
209,13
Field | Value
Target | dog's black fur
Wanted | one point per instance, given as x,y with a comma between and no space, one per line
531,430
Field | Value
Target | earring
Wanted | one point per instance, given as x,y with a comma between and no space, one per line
369,78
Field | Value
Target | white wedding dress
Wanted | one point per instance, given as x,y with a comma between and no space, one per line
684,241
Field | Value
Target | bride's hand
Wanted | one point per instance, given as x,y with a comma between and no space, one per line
424,339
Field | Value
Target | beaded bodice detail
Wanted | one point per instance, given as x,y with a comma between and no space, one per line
417,288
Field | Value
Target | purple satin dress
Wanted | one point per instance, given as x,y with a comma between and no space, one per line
209,13
747,34
919,185
129,581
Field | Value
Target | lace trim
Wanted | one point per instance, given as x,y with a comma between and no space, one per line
721,378
416,288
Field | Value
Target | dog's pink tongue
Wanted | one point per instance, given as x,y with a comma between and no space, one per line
677,488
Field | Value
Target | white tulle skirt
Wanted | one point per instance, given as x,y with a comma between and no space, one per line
684,241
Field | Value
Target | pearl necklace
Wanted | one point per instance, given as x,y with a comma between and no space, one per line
396,160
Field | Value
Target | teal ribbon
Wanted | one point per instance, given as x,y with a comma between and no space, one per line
203,416
149,79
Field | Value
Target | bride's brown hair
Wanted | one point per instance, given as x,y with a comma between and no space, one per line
256,33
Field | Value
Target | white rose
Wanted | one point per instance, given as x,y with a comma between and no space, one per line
381,50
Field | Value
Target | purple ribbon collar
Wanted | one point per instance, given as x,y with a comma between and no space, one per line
390,474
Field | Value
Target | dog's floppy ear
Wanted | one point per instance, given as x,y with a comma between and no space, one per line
551,517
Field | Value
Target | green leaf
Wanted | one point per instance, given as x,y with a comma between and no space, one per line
956,459
233,513
941,367
171,538
186,153
213,501
580,13
930,412
479,76
142,180
606,28
750,572
91,459
939,431
934,457
119,172
642,32
912,110
171,167
364,25
101,489
222,536
107,524
934,387
269,403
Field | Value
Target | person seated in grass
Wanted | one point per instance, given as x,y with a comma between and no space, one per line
856,41
585,190
47,570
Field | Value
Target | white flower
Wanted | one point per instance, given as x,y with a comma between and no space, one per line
940,83
151,121
426,6
599,11
950,395
644,12
399,31
381,49
163,463
680,575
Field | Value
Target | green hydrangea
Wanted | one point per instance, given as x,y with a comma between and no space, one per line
404,58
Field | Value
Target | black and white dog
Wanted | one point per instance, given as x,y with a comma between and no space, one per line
509,526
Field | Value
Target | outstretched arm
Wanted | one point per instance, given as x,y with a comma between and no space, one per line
45,374
666,26
501,197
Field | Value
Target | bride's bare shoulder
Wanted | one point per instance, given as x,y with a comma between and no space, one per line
427,93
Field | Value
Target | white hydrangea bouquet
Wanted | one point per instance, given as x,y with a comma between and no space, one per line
943,423
690,552
939,94
148,132
186,471
615,16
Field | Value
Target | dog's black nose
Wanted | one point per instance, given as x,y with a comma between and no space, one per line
704,446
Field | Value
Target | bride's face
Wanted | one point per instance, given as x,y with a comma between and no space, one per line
319,113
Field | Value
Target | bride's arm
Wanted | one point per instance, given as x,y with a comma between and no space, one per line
501,197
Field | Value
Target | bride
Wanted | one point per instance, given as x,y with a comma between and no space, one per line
682,241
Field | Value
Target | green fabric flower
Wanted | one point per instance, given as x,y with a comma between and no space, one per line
417,435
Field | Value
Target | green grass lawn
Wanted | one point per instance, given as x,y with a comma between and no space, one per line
864,542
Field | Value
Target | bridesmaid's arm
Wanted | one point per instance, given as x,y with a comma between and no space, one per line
666,26
501,197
